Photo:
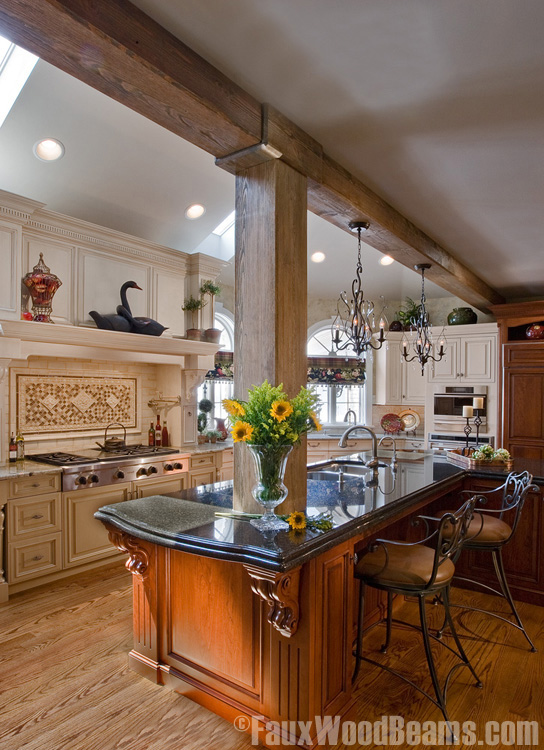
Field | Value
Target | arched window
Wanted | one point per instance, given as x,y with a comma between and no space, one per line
343,402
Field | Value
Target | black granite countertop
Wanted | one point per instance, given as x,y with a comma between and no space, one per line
186,520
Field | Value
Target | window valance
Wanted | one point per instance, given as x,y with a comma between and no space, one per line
330,370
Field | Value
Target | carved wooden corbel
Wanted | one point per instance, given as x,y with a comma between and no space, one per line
280,592
138,561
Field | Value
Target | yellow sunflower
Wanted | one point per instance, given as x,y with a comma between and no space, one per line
297,520
241,432
280,410
234,408
315,421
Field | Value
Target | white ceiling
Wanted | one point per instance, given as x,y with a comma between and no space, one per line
438,107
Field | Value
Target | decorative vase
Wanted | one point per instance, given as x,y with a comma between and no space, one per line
42,285
535,331
220,427
395,325
270,491
461,316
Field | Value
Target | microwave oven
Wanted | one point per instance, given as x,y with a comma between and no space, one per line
448,403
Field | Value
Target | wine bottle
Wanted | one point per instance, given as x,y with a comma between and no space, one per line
151,435
20,446
165,438
12,449
158,432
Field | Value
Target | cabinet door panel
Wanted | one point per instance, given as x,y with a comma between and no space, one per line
447,369
86,539
526,405
477,361
160,486
413,384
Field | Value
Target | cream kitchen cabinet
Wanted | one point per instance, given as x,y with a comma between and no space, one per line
160,486
471,355
225,465
33,526
202,469
85,538
323,450
397,381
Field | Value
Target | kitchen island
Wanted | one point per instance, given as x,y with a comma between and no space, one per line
256,625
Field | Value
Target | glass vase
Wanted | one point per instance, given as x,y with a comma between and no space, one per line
270,491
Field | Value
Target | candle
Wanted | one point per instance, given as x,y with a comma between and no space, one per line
478,403
468,411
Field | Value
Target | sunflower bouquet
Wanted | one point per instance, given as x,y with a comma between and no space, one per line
270,423
269,417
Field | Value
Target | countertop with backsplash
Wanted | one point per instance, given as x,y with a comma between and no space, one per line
28,468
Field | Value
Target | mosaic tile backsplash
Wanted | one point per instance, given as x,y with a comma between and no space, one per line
58,403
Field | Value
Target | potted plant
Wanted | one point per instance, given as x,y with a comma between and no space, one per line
211,289
408,311
213,436
192,305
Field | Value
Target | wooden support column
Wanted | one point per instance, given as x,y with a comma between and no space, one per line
271,305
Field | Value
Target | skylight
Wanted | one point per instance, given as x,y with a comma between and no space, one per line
16,64
225,224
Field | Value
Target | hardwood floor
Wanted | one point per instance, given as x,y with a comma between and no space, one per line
65,684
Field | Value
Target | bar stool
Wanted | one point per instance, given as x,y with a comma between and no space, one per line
414,569
489,532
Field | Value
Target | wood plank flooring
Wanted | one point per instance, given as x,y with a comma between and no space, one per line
65,684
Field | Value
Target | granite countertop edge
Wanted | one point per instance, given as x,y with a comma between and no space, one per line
277,561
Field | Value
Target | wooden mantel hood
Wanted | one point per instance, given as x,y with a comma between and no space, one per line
23,339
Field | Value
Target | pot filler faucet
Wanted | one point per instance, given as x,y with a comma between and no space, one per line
342,443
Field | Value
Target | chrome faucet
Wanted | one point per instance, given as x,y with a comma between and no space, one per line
348,415
342,443
394,458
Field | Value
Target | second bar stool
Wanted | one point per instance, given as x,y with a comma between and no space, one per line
490,530
414,569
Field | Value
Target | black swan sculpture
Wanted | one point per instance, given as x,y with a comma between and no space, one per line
123,320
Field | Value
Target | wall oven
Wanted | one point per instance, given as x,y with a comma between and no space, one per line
448,402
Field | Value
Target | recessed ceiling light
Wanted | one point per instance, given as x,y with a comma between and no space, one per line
318,257
49,149
386,260
195,211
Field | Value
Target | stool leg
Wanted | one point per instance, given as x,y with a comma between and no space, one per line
501,577
388,622
449,620
430,661
359,643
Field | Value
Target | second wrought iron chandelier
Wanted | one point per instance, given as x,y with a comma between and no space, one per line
421,343
354,326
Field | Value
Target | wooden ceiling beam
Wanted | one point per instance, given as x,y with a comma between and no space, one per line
114,47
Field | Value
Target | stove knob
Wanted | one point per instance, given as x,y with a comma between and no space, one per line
168,467
119,474
81,480
141,473
152,470
178,466
93,479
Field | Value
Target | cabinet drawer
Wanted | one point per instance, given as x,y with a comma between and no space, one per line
203,461
34,485
34,557
160,486
33,516
228,457
206,476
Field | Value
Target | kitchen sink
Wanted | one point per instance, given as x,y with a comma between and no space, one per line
332,472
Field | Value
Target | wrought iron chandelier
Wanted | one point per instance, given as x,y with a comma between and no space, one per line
354,325
421,342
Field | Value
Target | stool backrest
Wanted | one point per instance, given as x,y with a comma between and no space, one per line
451,532
514,492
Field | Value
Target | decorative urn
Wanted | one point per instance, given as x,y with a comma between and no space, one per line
535,331
461,316
42,285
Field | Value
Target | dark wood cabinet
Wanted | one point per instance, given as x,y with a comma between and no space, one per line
521,381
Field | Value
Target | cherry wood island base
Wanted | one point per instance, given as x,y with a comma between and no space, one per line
272,646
